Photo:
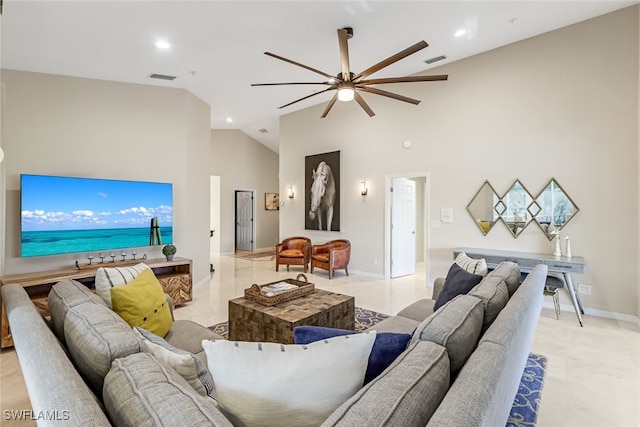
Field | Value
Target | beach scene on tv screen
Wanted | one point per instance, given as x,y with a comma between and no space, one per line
63,215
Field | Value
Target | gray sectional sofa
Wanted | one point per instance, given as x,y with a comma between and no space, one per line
462,367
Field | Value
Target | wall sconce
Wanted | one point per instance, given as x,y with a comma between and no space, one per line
363,188
290,191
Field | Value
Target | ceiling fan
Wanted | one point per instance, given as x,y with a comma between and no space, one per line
347,84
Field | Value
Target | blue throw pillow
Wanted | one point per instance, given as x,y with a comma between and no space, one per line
458,281
386,348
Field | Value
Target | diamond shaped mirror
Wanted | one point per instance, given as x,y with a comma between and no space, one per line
518,204
483,208
555,209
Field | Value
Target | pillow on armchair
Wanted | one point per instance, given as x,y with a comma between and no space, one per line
458,281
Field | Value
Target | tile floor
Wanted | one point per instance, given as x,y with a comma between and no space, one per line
593,376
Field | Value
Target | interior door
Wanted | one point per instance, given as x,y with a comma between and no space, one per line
403,227
244,220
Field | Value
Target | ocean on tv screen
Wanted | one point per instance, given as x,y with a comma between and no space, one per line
55,242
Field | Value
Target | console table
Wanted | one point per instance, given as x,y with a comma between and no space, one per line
528,260
175,277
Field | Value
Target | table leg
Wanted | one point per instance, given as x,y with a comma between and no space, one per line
574,297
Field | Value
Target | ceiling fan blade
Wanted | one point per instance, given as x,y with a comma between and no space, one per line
363,104
326,110
322,73
295,83
388,94
404,79
306,97
343,35
390,60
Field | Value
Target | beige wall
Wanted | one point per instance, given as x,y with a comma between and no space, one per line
563,105
91,128
244,164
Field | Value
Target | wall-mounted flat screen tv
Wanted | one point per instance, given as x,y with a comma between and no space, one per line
62,215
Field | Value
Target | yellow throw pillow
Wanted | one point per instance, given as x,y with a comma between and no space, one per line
142,303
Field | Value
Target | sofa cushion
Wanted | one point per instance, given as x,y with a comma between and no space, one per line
139,391
456,326
270,384
188,365
65,294
472,265
396,324
386,347
494,294
406,394
142,303
510,272
458,281
187,335
109,277
418,310
96,336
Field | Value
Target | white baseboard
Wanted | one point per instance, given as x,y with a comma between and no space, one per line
598,313
366,274
204,281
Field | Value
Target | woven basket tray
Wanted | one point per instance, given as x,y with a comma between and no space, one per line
304,288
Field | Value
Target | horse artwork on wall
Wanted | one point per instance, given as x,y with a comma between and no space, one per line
322,195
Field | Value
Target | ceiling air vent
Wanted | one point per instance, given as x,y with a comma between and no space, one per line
435,59
161,77
263,130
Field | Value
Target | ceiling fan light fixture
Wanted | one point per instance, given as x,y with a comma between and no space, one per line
346,94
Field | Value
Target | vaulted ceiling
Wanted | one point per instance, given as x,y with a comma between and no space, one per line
217,47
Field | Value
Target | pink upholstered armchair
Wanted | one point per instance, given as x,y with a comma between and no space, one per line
294,251
331,256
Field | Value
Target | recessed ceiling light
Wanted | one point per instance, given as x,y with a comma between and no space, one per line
461,32
229,120
161,44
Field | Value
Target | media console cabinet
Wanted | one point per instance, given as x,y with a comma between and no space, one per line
175,276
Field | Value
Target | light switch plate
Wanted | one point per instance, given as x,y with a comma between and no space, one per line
446,215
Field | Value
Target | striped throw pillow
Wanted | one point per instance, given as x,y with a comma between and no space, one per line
472,265
109,277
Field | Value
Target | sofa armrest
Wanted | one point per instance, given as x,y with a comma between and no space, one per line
54,385
437,287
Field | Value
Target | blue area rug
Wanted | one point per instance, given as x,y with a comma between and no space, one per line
524,411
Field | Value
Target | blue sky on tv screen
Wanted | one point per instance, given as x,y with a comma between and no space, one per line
65,203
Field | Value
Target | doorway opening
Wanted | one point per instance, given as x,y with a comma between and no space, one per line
406,232
245,224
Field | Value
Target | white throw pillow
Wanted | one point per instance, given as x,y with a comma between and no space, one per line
188,365
109,277
270,384
472,265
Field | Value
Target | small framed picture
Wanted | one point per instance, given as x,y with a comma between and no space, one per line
271,201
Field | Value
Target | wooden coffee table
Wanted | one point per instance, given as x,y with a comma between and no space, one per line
251,321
